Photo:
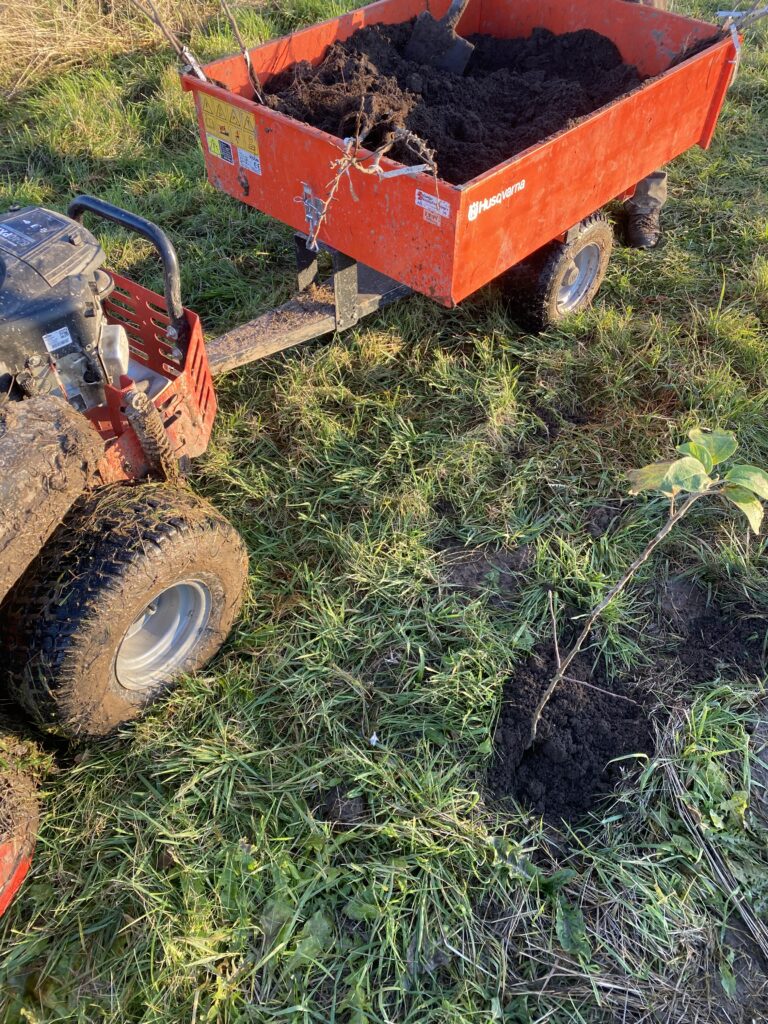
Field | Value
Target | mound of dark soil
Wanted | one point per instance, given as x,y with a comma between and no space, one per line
341,809
602,520
567,772
514,93
739,638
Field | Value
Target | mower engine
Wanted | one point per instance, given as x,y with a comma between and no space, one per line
54,337
133,362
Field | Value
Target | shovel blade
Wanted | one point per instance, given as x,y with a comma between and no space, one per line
456,57
435,43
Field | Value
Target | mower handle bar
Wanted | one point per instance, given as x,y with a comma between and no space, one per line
153,234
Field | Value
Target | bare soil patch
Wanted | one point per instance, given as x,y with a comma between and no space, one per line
341,809
514,93
572,768
602,520
497,572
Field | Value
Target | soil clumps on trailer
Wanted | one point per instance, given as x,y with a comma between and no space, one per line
514,93
595,718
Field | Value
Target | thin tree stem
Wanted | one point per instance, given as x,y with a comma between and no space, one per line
597,611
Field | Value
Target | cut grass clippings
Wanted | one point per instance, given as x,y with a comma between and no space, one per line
190,869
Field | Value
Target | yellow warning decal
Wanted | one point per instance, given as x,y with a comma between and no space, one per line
219,148
233,124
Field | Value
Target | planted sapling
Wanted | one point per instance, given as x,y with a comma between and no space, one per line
683,481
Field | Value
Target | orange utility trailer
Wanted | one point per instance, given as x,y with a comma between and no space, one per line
446,241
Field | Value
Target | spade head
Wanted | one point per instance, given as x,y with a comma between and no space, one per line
435,42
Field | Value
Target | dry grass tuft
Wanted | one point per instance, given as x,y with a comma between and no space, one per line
44,36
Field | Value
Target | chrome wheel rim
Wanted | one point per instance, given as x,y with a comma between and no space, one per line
162,637
580,275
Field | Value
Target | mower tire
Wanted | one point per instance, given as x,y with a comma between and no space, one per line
139,586
561,278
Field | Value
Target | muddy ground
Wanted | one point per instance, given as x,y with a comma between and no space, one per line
18,807
514,93
567,772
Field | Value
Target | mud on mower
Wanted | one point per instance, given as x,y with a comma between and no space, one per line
115,579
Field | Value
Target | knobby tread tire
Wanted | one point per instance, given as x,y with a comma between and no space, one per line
531,286
64,621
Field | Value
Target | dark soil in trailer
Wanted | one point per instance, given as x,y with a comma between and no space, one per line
568,770
514,93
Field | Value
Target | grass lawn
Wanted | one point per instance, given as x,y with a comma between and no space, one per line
186,870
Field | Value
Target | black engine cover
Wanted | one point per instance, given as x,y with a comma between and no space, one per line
51,284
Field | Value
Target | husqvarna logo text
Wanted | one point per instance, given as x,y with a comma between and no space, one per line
486,204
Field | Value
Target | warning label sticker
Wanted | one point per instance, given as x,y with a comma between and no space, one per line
219,148
13,240
250,161
56,340
436,206
228,123
28,229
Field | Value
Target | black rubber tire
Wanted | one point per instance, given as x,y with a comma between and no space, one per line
63,623
531,287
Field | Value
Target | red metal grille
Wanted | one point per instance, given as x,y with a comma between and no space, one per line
187,401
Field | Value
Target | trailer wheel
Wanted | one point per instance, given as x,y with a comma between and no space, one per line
562,278
140,585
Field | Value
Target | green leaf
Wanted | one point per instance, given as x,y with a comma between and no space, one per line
686,474
751,477
721,444
361,910
316,936
716,819
684,844
736,807
698,451
277,914
649,478
554,882
748,503
571,931
728,980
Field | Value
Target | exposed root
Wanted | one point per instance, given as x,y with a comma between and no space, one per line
352,158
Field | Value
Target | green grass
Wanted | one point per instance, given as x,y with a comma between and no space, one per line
183,871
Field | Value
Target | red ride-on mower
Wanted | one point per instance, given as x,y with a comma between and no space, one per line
115,579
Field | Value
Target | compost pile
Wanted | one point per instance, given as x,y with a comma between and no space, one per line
514,93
